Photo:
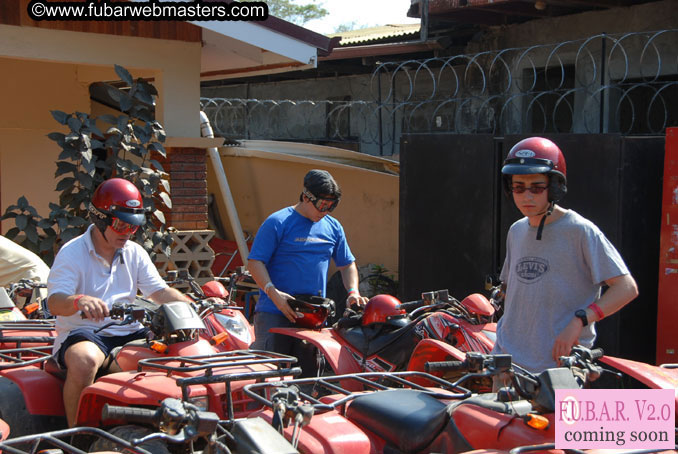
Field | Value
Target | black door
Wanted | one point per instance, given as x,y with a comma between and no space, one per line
454,217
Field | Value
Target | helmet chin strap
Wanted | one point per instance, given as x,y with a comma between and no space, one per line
548,212
101,225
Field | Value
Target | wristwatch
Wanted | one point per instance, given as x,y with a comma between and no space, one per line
581,315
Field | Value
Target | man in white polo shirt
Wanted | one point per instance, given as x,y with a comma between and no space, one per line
90,273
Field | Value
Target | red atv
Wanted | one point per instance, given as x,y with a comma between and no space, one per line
415,412
19,302
386,336
175,330
174,425
29,297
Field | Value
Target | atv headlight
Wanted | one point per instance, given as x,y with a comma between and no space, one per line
235,327
202,402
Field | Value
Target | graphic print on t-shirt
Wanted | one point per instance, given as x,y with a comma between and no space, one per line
530,269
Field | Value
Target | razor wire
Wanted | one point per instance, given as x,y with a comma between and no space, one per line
607,83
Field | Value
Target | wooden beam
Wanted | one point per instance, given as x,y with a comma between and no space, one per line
381,49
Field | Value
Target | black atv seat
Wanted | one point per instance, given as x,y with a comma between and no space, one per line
406,419
370,340
51,367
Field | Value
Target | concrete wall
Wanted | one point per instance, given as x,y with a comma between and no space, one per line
368,210
658,15
43,70
306,120
27,156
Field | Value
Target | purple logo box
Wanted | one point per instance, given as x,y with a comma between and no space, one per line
615,419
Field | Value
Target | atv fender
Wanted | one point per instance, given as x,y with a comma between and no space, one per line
338,356
652,376
125,389
19,419
48,400
433,350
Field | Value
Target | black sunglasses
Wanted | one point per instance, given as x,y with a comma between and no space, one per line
532,189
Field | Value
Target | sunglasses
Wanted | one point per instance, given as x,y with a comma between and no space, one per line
532,189
320,204
123,228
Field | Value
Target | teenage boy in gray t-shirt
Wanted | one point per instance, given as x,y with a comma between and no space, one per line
556,263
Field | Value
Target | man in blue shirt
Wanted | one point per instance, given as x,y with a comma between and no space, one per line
291,255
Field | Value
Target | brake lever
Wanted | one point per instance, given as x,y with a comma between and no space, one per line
126,321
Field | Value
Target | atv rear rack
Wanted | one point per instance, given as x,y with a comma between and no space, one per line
370,382
23,332
28,325
12,358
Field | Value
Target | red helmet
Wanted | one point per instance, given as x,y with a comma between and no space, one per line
214,289
312,310
384,309
537,155
118,198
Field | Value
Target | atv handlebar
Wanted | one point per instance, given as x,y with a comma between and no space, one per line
444,366
184,420
122,314
130,414
581,357
474,362
412,305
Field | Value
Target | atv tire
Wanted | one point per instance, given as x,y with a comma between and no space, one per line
129,433
14,412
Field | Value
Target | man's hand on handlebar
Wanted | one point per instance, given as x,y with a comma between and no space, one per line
91,307
355,299
567,339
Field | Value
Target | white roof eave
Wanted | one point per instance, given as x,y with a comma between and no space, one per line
264,38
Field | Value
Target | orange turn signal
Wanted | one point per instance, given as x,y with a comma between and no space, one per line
538,422
30,308
219,338
158,347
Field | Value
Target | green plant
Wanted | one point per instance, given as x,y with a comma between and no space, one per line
89,157
374,281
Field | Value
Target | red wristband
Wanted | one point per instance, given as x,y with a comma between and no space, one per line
75,301
352,290
599,312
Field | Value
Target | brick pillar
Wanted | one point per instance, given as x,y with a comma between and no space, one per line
187,168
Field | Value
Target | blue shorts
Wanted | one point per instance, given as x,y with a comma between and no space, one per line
105,343
263,340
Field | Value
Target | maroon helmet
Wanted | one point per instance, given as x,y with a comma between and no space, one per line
214,289
537,155
312,311
384,309
117,203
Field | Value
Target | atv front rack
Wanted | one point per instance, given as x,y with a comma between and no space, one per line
219,367
56,441
340,387
207,363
